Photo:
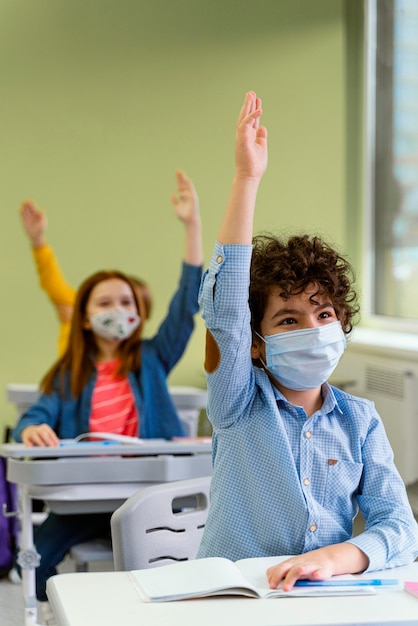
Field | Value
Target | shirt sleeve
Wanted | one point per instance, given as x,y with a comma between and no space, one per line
225,310
51,277
45,411
63,337
175,330
390,538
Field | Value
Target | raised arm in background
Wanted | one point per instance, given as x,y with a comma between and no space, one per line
186,205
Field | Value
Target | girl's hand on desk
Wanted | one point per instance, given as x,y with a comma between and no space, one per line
40,435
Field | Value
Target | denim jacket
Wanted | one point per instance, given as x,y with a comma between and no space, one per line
69,416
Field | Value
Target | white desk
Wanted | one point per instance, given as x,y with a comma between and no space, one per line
92,478
109,598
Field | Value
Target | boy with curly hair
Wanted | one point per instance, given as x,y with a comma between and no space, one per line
294,459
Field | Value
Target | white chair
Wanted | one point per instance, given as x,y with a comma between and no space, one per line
160,524
99,549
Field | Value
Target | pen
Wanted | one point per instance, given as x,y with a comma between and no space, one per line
364,582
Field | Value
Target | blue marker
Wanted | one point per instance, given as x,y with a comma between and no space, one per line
364,582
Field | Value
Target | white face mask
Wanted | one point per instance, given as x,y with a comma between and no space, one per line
117,324
304,359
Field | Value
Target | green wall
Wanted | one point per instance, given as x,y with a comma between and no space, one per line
102,100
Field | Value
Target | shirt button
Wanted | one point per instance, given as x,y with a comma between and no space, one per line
306,481
308,434
313,528
219,259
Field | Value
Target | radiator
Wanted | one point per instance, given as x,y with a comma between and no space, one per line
389,377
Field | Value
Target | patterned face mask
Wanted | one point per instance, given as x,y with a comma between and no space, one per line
117,324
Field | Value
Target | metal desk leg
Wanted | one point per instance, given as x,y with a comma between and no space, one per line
27,558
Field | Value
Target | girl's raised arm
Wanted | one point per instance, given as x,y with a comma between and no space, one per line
186,205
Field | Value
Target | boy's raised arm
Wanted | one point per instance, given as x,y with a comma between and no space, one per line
250,165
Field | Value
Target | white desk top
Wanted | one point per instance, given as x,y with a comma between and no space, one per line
87,477
144,447
109,598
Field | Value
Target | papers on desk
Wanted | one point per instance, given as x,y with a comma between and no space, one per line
115,438
108,437
218,576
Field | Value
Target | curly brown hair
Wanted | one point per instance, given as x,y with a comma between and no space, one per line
294,264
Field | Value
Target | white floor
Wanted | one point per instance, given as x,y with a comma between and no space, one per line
11,598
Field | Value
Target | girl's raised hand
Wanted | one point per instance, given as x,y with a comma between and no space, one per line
186,202
250,139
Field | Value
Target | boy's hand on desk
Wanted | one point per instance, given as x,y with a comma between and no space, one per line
304,566
320,564
40,435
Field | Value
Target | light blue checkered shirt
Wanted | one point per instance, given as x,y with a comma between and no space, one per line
283,484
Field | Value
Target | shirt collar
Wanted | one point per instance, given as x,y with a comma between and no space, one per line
329,404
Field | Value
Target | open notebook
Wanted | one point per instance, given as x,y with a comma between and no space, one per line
218,576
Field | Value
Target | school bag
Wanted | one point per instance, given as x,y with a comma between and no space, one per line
8,524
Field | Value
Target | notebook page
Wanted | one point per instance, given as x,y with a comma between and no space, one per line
190,579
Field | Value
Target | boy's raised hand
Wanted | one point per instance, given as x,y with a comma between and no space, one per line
34,222
250,139
250,164
186,203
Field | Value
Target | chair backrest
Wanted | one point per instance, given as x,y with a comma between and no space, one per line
160,524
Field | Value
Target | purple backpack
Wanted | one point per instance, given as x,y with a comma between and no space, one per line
8,524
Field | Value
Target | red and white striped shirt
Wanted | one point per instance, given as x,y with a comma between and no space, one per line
113,407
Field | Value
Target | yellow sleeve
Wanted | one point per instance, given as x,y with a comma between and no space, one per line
51,277
54,284
63,337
